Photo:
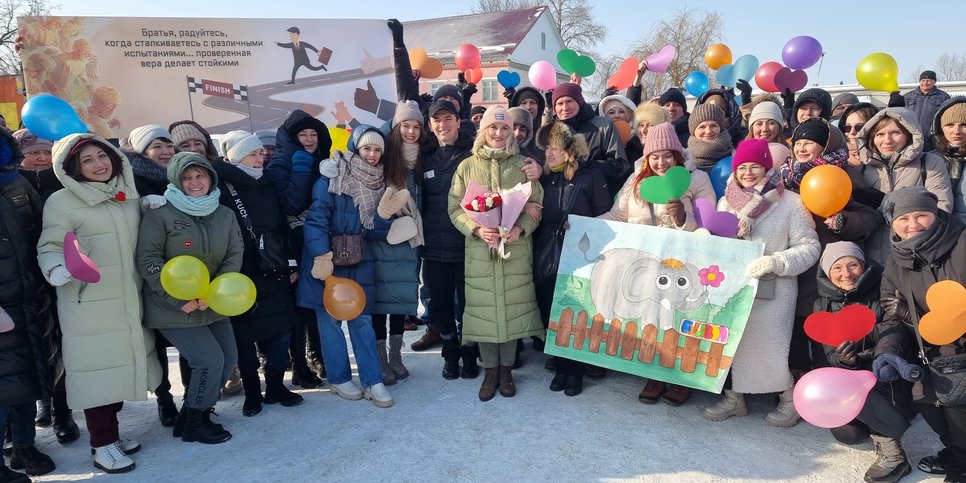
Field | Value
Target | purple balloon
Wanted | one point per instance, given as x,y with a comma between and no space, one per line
801,52
793,80
719,223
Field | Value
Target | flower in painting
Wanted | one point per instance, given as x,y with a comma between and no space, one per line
712,276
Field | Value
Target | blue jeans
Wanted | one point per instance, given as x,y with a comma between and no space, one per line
276,355
21,422
336,352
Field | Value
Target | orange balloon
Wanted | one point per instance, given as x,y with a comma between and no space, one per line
431,69
417,58
343,298
946,321
623,130
474,75
826,190
717,56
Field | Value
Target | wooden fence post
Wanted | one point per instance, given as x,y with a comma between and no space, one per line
564,326
630,341
596,333
580,335
689,361
669,348
714,359
613,337
648,344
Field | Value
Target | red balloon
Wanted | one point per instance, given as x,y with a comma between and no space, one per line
467,57
474,75
852,323
765,76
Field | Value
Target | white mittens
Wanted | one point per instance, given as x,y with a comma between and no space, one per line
59,276
329,168
764,265
402,230
392,201
153,202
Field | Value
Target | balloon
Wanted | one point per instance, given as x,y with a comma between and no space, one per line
623,130
625,74
585,66
830,397
184,277
340,138
343,298
717,55
825,190
50,117
719,176
801,52
727,76
467,57
745,67
792,80
474,75
508,79
567,58
878,72
779,153
79,265
696,83
431,69
669,186
542,75
6,323
417,58
945,322
719,223
852,323
230,294
660,60
765,76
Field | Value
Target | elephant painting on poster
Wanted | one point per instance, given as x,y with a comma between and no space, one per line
633,284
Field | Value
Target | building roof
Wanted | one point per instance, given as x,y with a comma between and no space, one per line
494,33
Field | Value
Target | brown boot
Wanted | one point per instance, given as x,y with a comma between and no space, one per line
491,380
429,339
507,389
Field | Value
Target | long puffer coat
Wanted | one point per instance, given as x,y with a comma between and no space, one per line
397,268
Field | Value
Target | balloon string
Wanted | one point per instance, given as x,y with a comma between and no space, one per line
820,62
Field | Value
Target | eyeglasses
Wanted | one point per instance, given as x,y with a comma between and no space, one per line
850,127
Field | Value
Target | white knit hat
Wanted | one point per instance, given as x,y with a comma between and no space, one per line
371,136
767,110
407,111
141,137
239,144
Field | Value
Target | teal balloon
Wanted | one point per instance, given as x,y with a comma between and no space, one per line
50,117
745,67
726,75
720,174
696,83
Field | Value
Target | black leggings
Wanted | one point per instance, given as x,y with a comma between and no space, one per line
397,324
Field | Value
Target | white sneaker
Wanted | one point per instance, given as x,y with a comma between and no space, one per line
129,446
379,395
111,458
347,390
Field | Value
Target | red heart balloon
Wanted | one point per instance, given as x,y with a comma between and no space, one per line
853,322
625,75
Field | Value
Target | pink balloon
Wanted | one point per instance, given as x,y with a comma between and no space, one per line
467,57
830,397
78,264
792,80
6,323
542,75
660,60
765,76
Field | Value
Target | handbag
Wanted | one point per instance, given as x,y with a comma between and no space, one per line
347,250
270,246
947,373
546,262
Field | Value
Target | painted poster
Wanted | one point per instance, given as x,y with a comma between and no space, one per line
120,73
655,302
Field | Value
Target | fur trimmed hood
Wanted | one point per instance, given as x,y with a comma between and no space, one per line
559,135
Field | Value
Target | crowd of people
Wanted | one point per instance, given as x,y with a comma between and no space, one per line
283,208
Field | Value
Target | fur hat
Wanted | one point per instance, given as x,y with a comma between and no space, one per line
142,136
557,134
767,110
706,112
496,115
650,113
266,136
662,137
239,144
752,151
30,143
522,117
909,199
834,251
407,111
185,131
571,90
674,95
604,105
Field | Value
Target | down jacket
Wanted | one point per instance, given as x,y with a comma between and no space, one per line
924,106
397,268
501,303
444,243
605,146
107,354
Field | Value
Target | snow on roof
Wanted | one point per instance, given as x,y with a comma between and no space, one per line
494,33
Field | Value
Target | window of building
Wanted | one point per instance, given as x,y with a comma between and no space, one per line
543,41
434,86
491,90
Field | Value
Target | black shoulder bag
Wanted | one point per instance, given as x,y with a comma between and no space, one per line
271,254
547,261
947,373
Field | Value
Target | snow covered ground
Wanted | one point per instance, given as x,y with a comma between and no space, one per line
440,431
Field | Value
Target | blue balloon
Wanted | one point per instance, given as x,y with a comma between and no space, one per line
50,117
720,174
508,79
745,67
726,75
696,83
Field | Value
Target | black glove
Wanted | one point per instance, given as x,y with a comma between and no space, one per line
896,99
461,81
468,91
509,92
896,307
549,97
847,353
610,91
745,88
427,98
397,31
789,99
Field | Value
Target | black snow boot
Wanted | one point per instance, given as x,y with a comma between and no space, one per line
253,396
451,358
198,427
65,428
469,354
276,392
179,422
32,461
9,476
43,418
167,411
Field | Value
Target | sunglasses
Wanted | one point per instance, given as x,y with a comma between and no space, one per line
850,127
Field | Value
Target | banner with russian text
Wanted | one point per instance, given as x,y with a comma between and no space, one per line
120,73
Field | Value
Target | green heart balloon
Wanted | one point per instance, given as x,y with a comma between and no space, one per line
670,186
584,66
567,58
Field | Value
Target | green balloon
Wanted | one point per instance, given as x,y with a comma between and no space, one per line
670,186
567,58
584,67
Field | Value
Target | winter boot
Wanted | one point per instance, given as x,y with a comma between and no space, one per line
9,476
491,379
7,440
43,418
575,384
518,361
276,392
451,358
111,458
890,463
429,339
395,356
507,389
65,428
731,404
379,395
198,427
785,415
178,429
388,377
559,381
303,376
253,396
469,354
234,384
167,411
314,353
32,461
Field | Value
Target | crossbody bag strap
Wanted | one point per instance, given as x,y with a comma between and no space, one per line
914,315
242,211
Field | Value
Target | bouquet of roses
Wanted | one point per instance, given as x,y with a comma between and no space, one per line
496,209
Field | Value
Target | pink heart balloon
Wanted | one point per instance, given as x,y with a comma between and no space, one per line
6,323
660,60
830,397
78,264
717,222
792,80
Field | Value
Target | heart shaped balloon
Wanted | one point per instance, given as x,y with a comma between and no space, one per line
508,79
623,130
417,57
625,74
431,69
945,322
474,75
584,66
660,60
852,323
6,323
745,67
669,186
566,58
830,397
719,223
793,80
727,76
79,265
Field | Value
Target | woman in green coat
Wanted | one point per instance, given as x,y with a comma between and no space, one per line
501,305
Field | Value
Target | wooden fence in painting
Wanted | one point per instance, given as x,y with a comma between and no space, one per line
622,340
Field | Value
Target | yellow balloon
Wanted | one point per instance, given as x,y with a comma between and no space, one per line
230,294
343,298
878,72
340,138
184,277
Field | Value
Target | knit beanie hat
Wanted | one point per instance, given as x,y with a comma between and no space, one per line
571,90
238,144
477,110
141,137
450,90
953,113
751,151
674,95
767,110
522,117
607,102
30,143
815,129
928,74
650,113
706,112
185,131
266,136
371,136
834,251
660,138
407,111
844,98
496,115
909,199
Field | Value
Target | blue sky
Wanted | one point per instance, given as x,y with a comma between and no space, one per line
848,30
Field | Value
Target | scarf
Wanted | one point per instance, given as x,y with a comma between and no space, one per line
250,171
750,203
410,153
145,167
494,154
928,247
793,171
560,168
361,182
201,206
707,153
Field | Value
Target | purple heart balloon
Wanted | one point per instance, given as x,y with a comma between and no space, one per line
792,80
719,223
6,323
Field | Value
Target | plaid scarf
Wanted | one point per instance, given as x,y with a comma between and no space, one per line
750,203
793,171
363,183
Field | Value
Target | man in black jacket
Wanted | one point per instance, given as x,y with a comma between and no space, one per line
299,52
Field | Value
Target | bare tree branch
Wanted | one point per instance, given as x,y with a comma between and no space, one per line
950,66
